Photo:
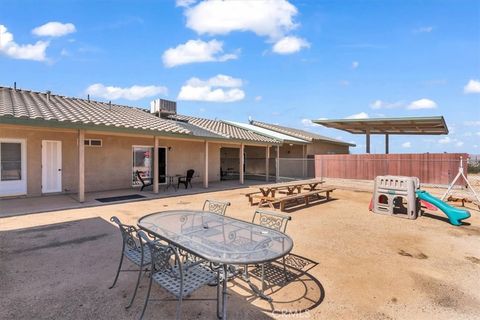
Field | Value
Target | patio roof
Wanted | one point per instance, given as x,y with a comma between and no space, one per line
269,133
300,134
387,126
225,129
407,125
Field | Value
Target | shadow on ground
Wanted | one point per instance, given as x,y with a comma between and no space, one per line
63,271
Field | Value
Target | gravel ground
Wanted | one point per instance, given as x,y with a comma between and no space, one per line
358,265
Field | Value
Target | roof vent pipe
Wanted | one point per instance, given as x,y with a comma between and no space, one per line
15,86
110,105
48,95
88,97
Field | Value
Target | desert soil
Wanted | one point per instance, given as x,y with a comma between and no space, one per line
358,265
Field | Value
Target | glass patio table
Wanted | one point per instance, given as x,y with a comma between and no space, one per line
218,239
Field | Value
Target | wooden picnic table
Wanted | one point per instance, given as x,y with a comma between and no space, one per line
268,190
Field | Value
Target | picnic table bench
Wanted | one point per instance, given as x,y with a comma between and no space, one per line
305,196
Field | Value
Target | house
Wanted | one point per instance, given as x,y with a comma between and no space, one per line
55,144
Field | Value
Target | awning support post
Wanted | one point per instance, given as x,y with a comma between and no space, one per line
386,144
367,146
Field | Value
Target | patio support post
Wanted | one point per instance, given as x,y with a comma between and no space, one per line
81,165
205,175
155,164
277,165
386,144
304,160
242,163
267,163
368,140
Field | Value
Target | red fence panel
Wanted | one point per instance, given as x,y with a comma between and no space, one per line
431,168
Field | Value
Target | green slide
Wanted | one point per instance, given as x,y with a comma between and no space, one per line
454,215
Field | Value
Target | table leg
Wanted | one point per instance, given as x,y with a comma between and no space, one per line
224,292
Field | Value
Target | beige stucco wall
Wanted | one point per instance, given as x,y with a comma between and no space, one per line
110,166
34,155
326,148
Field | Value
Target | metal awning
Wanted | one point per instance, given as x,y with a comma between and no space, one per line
388,126
409,125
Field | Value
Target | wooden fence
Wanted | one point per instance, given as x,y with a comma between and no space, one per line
430,168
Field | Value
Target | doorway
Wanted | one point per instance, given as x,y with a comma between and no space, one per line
51,166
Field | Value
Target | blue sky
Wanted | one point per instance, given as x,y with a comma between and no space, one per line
276,61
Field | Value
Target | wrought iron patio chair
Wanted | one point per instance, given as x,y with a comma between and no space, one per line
275,221
216,206
132,250
142,180
178,278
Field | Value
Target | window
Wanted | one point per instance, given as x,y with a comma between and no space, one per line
10,161
93,142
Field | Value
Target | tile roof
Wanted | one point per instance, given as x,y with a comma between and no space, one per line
269,133
23,104
225,129
301,134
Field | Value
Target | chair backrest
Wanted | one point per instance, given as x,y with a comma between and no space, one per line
128,233
139,176
190,173
164,258
216,206
271,219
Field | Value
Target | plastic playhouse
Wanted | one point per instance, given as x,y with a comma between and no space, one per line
401,197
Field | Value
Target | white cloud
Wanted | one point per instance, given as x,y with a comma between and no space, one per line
459,144
447,140
478,133
14,50
407,144
422,104
290,44
426,29
196,51
272,19
211,90
473,86
361,115
258,98
54,29
380,104
308,123
184,3
472,123
355,64
130,93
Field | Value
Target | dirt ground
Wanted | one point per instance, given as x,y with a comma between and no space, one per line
357,265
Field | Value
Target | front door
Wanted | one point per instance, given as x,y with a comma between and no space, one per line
51,166
13,169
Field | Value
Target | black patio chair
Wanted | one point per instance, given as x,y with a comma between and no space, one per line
178,278
132,250
144,184
187,180
216,206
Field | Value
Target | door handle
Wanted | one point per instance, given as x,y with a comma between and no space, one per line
59,169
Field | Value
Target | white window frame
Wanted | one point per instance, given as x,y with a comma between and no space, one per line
89,144
23,148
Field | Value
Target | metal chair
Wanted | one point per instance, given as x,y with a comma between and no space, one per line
216,206
275,221
178,278
132,250
187,180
